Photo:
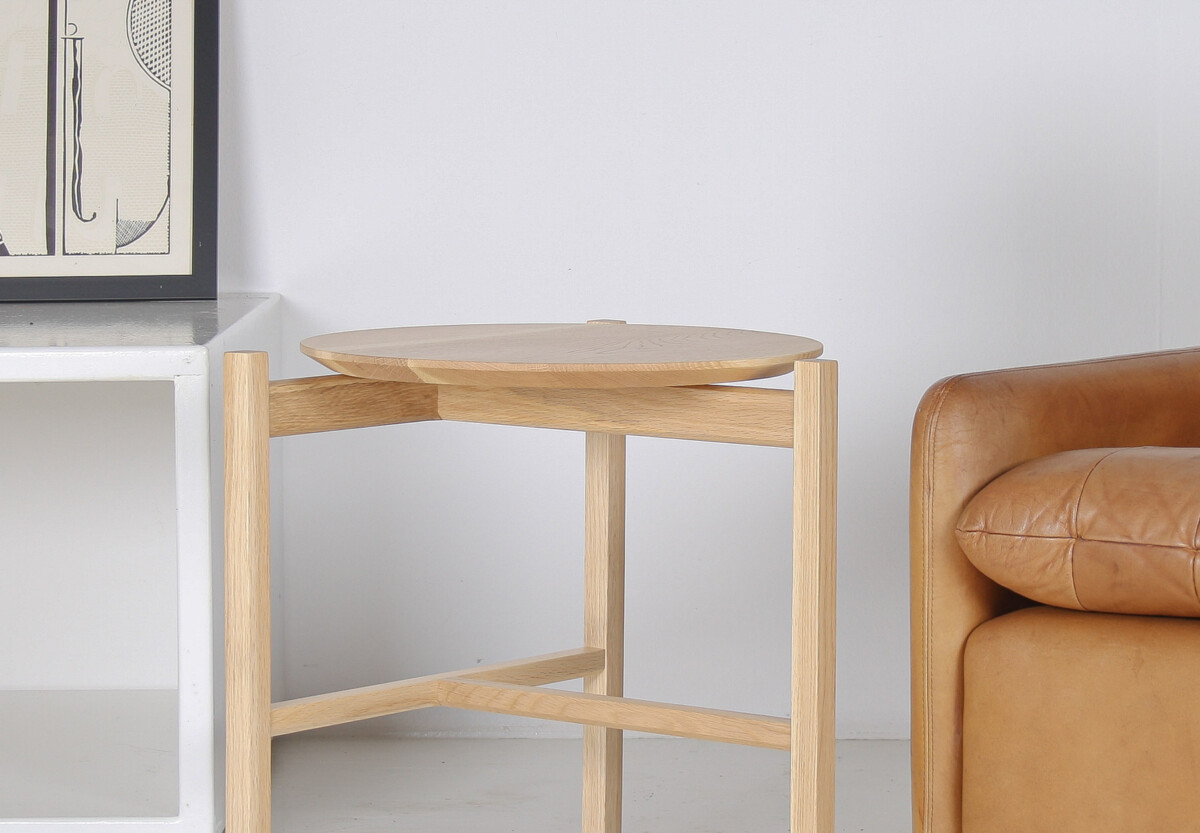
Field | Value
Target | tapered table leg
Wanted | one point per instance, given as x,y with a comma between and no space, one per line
604,615
247,595
814,597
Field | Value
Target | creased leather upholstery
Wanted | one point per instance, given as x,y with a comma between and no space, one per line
1112,530
968,430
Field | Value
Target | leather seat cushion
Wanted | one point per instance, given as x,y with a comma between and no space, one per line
1081,723
1103,529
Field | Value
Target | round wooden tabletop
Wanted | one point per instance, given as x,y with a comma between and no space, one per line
595,355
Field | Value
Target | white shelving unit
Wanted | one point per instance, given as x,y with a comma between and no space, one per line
110,516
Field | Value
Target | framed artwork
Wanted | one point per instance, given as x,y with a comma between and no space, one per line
108,149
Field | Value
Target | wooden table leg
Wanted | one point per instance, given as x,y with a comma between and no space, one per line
814,597
604,623
247,594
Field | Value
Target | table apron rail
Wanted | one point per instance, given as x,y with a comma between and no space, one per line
713,413
335,403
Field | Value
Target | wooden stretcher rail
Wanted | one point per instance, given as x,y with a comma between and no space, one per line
617,713
422,692
713,413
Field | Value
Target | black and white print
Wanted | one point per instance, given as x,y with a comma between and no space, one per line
97,136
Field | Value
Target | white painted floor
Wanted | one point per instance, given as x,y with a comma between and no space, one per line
329,784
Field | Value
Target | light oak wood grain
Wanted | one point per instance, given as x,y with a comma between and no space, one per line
552,376
561,355
724,414
604,622
334,403
814,598
750,416
597,710
247,594
422,692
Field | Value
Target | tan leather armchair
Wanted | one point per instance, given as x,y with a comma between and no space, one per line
1033,718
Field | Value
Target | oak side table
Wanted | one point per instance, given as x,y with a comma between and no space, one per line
607,379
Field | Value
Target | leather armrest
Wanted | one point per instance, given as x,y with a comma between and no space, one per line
968,430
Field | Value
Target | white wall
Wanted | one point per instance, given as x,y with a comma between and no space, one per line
926,187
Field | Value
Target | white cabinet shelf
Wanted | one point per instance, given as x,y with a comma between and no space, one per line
110,517
90,754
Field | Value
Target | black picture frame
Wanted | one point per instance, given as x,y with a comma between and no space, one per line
189,277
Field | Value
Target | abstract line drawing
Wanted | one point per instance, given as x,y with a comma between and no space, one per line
105,104
108,143
120,97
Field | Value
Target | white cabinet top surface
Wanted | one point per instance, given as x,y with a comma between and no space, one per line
103,325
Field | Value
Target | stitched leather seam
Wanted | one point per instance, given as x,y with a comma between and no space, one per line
1071,562
1195,548
1074,523
1190,548
1016,535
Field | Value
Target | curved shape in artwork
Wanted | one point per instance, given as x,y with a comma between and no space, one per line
149,24
130,231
